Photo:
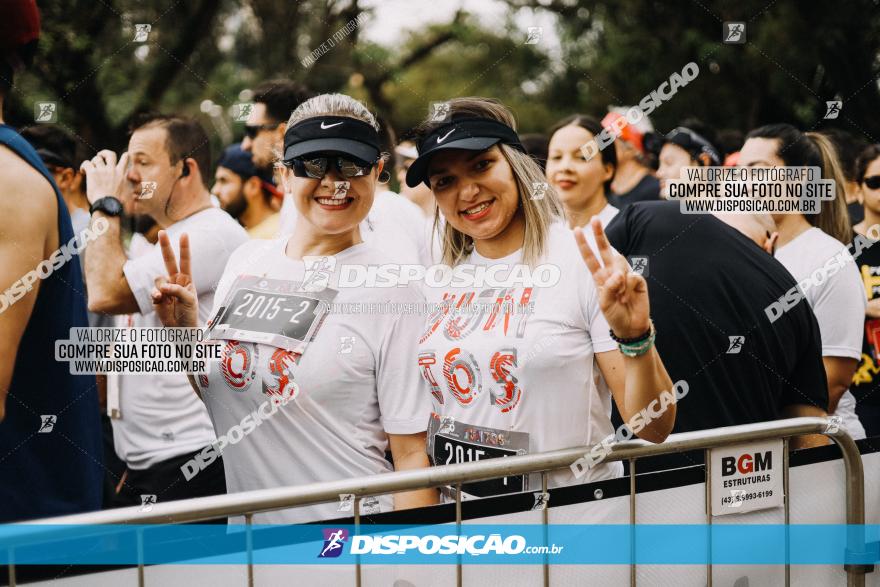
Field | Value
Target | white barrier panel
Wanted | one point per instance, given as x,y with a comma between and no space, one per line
817,496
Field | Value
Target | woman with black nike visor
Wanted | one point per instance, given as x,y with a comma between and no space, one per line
348,384
520,376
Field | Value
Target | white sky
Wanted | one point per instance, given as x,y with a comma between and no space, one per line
393,18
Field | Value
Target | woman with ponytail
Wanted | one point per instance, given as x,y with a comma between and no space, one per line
813,249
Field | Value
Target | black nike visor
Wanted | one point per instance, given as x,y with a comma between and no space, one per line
469,134
332,134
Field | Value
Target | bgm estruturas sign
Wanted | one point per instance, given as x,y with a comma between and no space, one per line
746,477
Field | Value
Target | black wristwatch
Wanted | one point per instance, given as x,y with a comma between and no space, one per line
108,205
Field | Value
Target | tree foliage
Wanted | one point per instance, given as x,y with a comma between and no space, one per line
611,52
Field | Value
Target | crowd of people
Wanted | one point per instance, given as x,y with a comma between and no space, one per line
641,298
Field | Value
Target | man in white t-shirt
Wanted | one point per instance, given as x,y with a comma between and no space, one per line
158,422
831,284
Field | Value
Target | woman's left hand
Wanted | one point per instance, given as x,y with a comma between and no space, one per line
623,295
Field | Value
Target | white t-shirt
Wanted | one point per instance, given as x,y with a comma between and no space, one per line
607,214
495,378
161,416
394,225
357,380
838,302
80,219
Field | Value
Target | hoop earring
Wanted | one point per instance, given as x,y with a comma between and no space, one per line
385,176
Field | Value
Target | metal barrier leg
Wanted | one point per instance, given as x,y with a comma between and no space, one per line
140,553
249,544
786,501
708,458
855,505
357,528
458,531
545,520
11,567
632,522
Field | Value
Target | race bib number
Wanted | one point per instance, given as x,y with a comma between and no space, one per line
451,442
271,311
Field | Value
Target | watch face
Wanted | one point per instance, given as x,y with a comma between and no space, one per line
109,205
113,206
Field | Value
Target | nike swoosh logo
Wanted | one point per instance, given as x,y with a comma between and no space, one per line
330,125
443,138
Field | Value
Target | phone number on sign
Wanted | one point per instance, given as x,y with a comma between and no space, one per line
739,498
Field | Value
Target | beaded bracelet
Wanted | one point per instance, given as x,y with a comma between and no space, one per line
638,346
634,339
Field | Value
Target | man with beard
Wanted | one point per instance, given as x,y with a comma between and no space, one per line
247,194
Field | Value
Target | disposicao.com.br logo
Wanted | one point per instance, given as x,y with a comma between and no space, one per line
429,544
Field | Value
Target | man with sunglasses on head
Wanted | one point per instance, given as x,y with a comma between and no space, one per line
246,193
158,424
274,100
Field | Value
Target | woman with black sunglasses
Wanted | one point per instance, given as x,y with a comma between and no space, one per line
866,381
330,354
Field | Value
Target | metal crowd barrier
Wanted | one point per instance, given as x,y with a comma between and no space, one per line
251,502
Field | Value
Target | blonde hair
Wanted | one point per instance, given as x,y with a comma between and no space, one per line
833,217
332,105
812,149
538,214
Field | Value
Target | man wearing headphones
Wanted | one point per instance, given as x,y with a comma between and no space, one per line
158,422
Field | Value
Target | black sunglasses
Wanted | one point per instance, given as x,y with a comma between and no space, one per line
316,167
252,130
872,182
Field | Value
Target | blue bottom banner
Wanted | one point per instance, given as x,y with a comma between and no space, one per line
753,544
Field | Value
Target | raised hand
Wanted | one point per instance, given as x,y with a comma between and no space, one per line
104,175
623,295
175,299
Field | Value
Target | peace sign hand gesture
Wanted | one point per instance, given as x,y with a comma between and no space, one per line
623,295
175,299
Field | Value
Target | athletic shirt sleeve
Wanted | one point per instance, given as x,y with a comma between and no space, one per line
840,311
404,398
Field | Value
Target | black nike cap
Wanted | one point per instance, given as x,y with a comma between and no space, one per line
694,143
470,134
332,134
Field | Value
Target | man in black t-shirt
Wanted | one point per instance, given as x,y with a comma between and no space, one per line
709,285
